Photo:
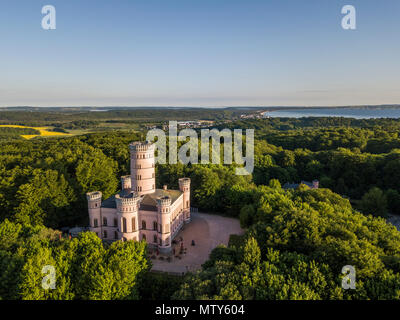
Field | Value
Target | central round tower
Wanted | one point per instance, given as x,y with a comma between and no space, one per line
142,167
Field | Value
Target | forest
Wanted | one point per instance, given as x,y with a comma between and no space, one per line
296,240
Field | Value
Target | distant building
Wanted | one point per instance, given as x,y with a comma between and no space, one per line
140,211
312,185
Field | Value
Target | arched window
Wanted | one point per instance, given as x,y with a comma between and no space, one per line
154,225
104,221
124,224
105,233
144,224
133,224
155,239
95,223
143,237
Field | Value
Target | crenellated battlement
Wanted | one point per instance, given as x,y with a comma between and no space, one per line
164,201
126,182
95,195
139,146
128,200
184,182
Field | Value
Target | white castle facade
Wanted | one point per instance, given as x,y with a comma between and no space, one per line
140,211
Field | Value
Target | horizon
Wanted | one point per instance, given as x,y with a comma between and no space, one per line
393,105
199,54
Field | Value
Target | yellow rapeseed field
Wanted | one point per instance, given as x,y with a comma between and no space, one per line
43,131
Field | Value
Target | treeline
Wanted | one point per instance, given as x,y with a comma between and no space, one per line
145,114
263,125
10,133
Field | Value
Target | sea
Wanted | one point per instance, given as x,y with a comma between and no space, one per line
357,113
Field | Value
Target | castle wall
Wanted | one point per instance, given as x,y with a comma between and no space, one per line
109,224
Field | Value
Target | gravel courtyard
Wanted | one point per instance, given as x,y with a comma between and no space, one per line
208,231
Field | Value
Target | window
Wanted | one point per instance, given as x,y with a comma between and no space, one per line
187,203
154,225
144,225
115,222
155,239
133,224
143,237
115,235
95,223
124,224
104,221
105,233
160,242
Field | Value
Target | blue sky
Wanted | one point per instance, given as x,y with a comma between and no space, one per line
199,53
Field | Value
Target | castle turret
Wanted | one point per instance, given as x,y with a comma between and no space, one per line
94,207
127,212
164,220
142,167
125,182
184,186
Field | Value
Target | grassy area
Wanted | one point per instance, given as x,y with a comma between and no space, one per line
44,131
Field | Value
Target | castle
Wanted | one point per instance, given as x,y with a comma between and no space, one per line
140,211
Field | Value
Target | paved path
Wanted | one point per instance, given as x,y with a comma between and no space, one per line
395,220
208,231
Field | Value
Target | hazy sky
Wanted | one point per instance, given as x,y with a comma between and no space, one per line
199,53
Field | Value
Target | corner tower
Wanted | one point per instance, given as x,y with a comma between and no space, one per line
94,206
164,219
127,213
184,186
142,167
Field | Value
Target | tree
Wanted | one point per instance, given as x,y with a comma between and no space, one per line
374,202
